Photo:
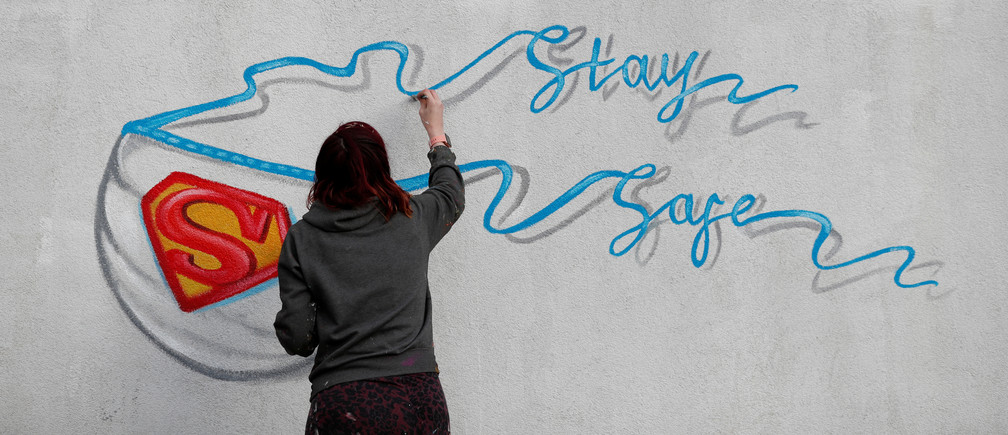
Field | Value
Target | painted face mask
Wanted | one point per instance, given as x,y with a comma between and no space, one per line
188,234
191,253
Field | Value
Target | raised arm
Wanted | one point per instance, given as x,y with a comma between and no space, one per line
446,191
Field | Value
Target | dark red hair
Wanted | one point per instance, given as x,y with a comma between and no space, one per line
352,167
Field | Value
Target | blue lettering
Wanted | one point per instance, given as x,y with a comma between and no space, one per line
641,70
593,64
687,199
704,232
557,82
646,217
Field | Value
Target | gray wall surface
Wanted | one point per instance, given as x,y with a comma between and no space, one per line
681,216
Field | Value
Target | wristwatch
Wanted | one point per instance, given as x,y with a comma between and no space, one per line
440,139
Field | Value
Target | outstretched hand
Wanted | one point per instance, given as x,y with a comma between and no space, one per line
431,112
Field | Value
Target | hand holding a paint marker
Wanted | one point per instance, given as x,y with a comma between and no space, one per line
431,112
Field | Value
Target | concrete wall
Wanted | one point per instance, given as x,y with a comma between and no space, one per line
834,260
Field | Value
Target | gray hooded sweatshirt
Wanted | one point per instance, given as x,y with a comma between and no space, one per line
355,285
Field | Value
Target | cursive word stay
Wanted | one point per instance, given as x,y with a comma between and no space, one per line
557,83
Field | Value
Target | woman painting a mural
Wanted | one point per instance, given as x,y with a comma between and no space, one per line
353,283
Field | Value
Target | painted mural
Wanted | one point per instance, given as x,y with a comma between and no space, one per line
191,254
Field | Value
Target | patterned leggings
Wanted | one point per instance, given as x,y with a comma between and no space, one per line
407,404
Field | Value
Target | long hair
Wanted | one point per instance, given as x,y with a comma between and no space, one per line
352,167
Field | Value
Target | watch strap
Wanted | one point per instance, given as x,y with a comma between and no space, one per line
440,139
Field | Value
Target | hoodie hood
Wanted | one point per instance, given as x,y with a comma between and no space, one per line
340,220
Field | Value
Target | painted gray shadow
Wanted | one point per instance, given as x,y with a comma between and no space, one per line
494,72
738,129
